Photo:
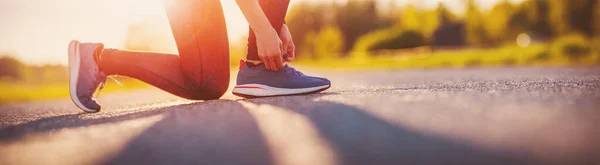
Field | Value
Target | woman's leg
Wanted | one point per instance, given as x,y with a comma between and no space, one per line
200,72
275,10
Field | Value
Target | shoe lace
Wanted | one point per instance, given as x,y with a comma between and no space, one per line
293,71
103,83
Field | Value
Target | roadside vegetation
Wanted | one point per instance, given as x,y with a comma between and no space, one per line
368,34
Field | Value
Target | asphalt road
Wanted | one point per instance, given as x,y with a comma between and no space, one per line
476,116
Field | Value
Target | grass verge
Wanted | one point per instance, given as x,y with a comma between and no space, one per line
12,92
509,56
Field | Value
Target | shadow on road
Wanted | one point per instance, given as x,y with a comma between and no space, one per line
224,132
221,132
47,124
361,138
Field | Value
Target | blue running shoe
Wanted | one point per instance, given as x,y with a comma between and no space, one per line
85,74
260,82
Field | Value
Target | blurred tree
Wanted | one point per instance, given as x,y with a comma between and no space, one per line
597,19
444,15
541,16
410,18
406,39
356,18
581,15
328,43
11,67
448,32
557,16
475,24
519,22
573,16
366,42
497,21
303,19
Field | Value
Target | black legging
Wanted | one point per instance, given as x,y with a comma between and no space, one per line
201,71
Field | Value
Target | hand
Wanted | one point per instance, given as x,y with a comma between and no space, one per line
270,49
288,44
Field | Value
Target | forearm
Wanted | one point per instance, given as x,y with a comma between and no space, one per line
255,16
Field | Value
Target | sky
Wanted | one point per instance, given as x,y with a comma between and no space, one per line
38,31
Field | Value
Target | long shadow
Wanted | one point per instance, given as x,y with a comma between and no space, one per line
361,138
48,124
221,132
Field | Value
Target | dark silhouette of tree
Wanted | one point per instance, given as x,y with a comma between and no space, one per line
573,16
303,19
356,18
581,14
539,15
449,32
407,39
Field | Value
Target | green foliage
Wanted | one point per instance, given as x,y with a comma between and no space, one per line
304,19
327,43
572,46
475,24
406,39
573,16
19,92
366,42
21,82
497,21
410,18
365,28
356,18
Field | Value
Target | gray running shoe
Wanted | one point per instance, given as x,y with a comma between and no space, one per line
85,74
260,82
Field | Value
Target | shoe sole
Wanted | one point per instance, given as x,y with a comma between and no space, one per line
74,65
258,90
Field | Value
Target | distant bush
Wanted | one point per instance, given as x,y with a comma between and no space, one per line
542,56
367,41
392,38
327,43
572,46
11,68
406,39
451,34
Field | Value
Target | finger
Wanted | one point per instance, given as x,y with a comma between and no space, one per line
265,61
273,64
284,47
291,53
283,50
278,60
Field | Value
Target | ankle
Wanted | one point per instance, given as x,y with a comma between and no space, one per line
253,63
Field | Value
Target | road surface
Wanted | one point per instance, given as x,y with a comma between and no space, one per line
470,116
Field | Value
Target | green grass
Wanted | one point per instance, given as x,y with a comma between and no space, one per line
508,56
19,92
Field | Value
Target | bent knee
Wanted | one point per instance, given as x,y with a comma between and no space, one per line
211,92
